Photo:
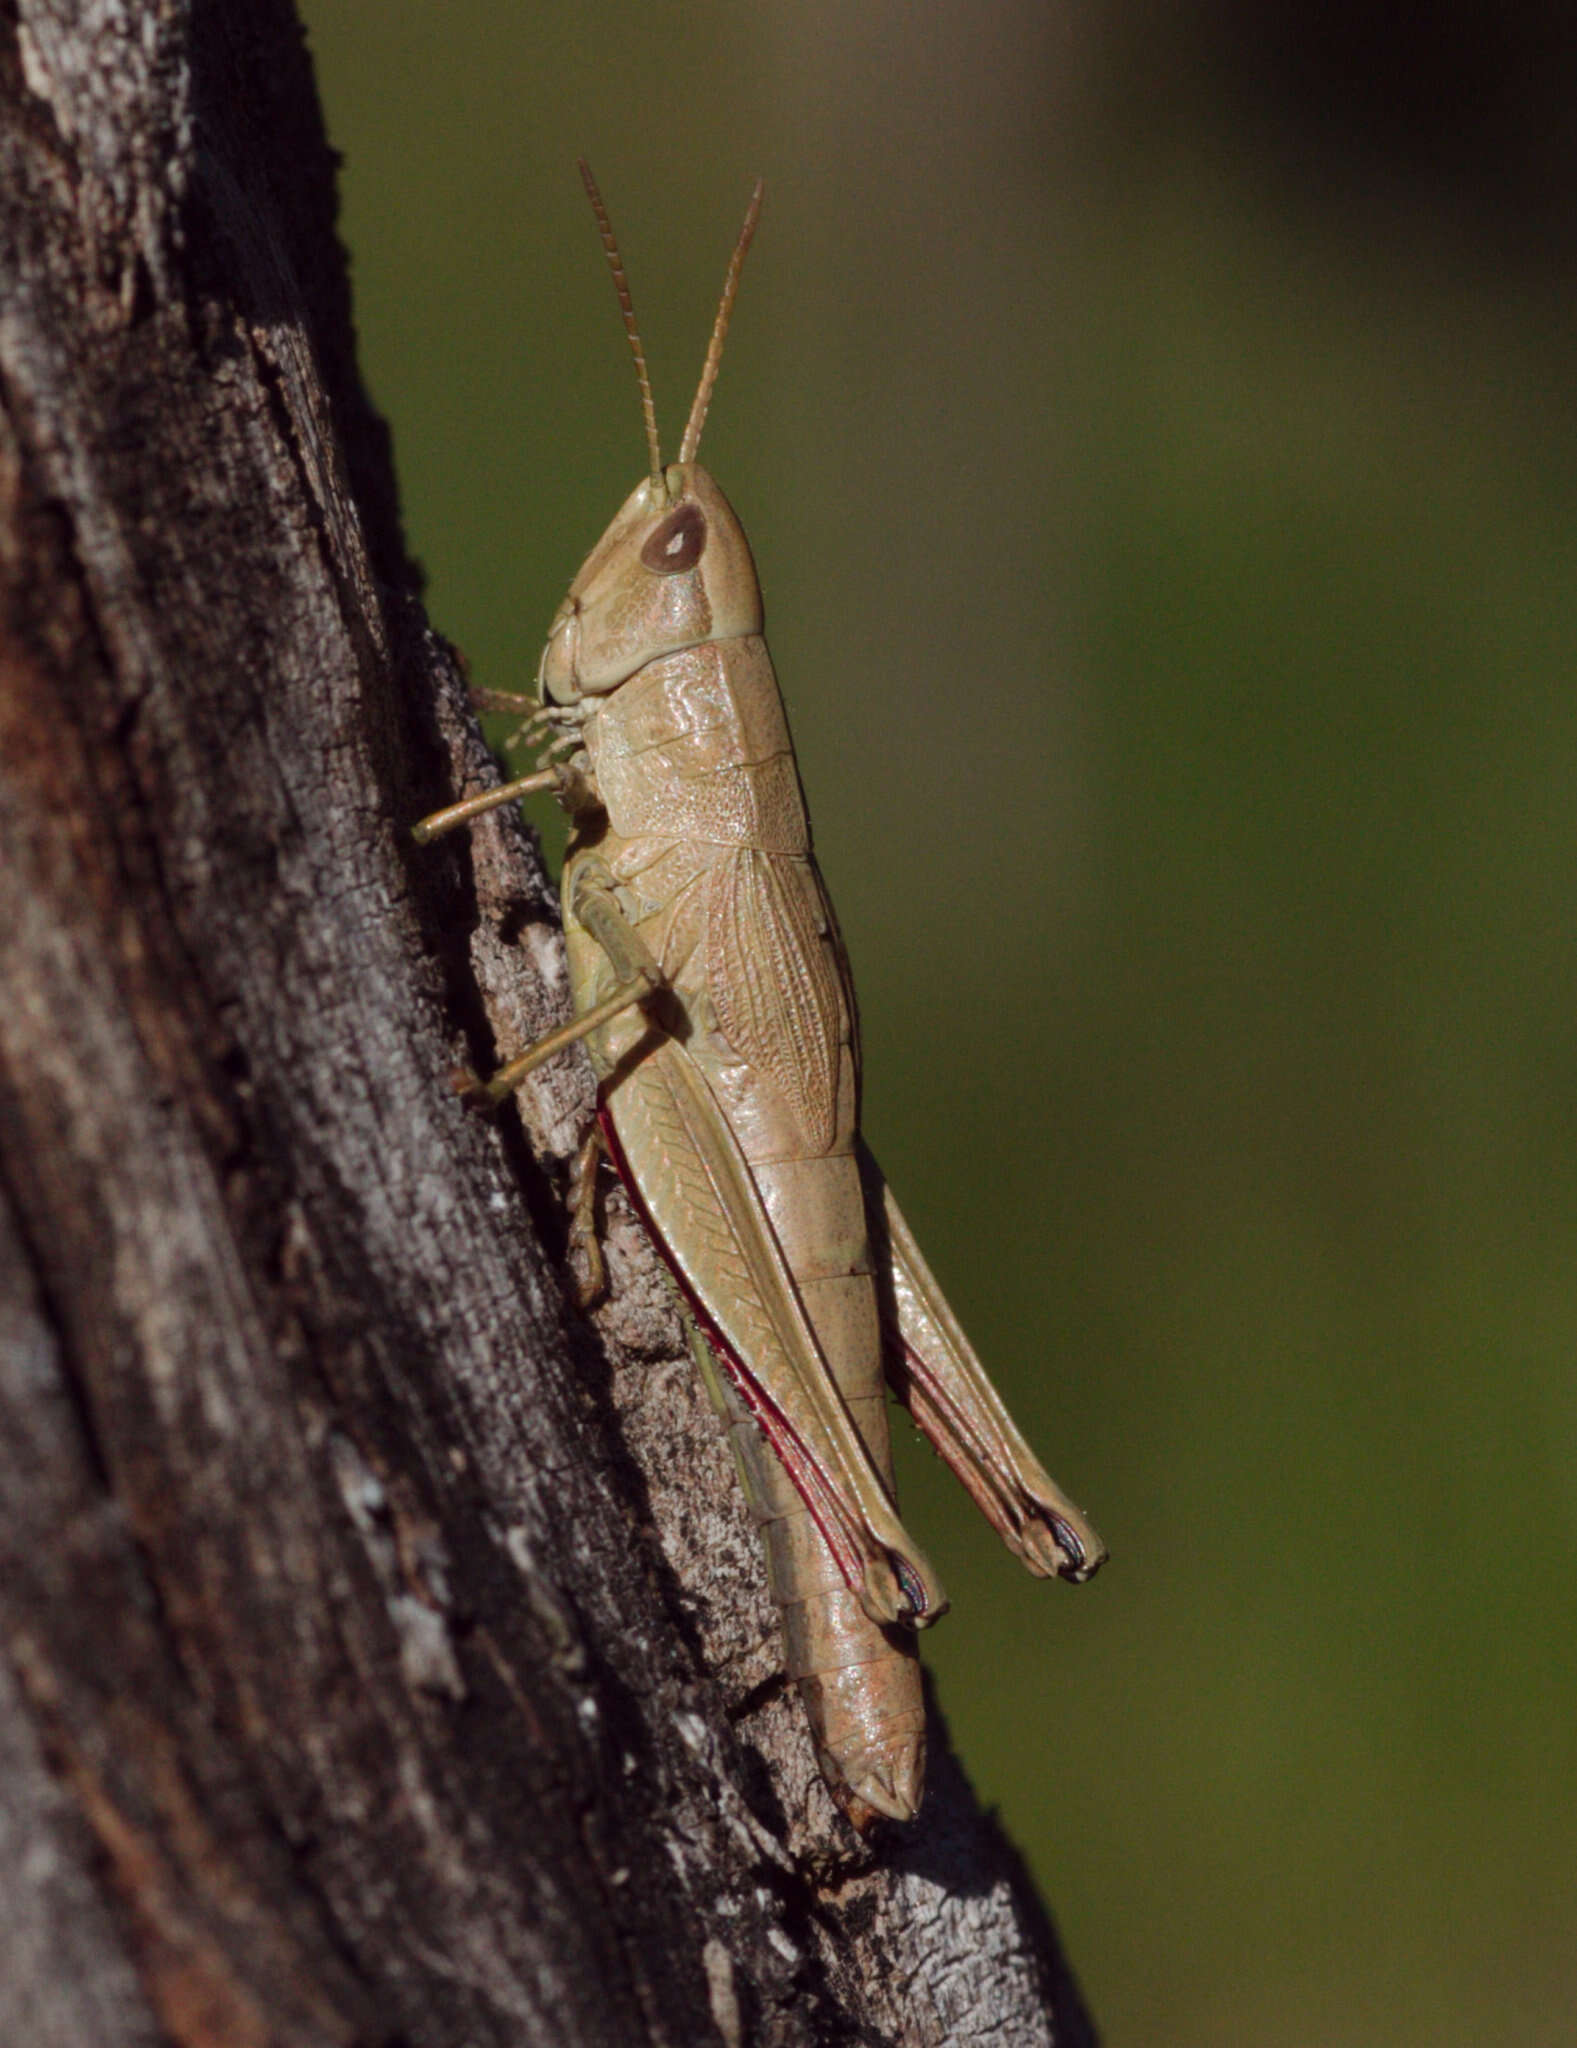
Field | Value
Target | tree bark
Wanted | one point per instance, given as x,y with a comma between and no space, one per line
387,1655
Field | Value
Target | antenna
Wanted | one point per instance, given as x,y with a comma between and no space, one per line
714,353
621,285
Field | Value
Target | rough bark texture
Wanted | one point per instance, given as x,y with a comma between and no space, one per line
386,1655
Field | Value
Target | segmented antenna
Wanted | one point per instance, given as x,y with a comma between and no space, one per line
621,285
714,353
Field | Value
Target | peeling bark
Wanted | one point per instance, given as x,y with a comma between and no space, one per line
386,1653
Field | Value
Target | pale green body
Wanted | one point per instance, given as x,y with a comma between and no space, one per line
712,990
706,840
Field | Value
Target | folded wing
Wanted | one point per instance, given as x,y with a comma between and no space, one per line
685,1171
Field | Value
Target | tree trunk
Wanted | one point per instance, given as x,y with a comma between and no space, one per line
387,1655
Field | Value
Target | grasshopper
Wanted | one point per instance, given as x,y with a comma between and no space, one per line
712,992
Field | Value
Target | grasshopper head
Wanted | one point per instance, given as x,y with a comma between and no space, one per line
673,569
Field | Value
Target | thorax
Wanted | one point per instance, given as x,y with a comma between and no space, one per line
707,841
695,746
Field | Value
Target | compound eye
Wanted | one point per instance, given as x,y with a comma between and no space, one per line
678,542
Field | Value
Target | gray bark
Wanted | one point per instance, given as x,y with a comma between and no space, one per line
386,1653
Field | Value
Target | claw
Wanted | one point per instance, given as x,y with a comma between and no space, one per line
472,1090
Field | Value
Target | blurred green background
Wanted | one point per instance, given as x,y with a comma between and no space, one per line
1155,431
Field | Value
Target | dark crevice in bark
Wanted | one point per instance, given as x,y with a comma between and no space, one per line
255,104
13,1215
